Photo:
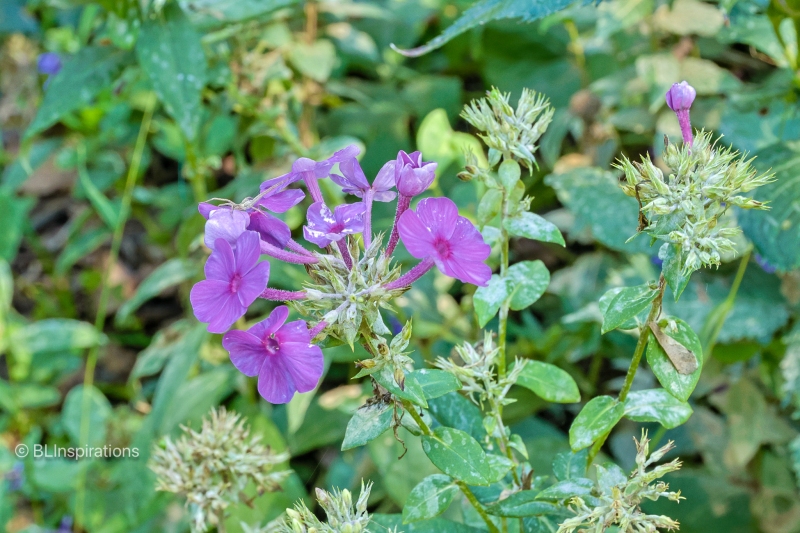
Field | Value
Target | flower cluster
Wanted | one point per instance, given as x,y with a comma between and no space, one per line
338,507
685,207
350,279
619,503
212,467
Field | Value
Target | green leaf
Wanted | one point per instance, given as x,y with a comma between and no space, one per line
564,490
98,411
183,335
657,405
78,248
570,465
548,382
679,385
430,498
485,11
672,268
497,467
81,78
394,522
487,300
626,304
595,198
315,60
368,422
529,280
532,226
13,217
455,411
490,205
108,212
56,335
171,53
435,383
596,418
457,454
776,233
167,275
412,391
195,397
521,504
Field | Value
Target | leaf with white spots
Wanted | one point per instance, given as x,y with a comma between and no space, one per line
564,490
521,504
369,422
626,304
171,53
457,454
488,299
598,417
435,383
549,382
657,405
430,498
529,280
532,226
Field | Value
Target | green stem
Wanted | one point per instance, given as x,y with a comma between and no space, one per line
195,174
412,410
102,306
720,314
502,326
644,334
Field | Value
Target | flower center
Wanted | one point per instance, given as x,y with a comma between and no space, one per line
271,345
235,282
442,247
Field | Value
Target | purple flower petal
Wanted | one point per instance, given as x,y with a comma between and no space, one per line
282,201
225,223
214,303
246,351
253,283
271,324
304,362
269,228
412,176
221,264
247,251
275,383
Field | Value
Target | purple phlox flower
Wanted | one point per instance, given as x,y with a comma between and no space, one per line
49,63
680,96
227,223
280,354
436,232
279,199
764,264
353,181
305,167
411,175
325,227
234,279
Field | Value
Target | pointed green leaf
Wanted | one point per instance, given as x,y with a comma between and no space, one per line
435,382
167,275
679,385
570,465
430,498
564,490
628,302
457,454
99,411
369,422
487,300
529,280
532,226
521,504
548,382
598,417
657,405
411,391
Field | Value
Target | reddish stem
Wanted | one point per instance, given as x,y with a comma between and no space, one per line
279,295
412,275
402,205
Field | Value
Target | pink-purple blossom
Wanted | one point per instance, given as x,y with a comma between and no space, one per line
680,98
279,199
412,175
353,181
227,223
436,231
325,227
280,354
234,279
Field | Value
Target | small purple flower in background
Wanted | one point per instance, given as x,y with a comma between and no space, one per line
325,227
280,354
764,264
679,98
436,232
657,261
353,181
411,175
234,279
16,476
310,171
49,63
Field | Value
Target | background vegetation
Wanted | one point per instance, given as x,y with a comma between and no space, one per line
159,105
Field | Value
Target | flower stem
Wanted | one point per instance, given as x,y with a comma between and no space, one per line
102,306
412,410
368,196
721,312
296,247
686,126
289,257
278,295
316,330
502,326
312,184
402,205
348,260
411,276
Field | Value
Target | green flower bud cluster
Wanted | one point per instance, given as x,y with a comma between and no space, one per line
342,517
619,504
212,467
394,356
685,207
508,131
345,298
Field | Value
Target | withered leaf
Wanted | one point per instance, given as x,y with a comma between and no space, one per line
682,358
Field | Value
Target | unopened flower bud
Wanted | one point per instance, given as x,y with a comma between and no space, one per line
412,175
681,96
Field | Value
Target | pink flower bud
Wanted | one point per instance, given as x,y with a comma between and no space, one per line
680,96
